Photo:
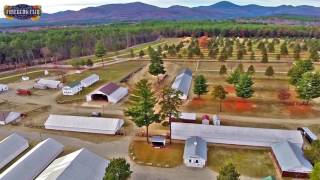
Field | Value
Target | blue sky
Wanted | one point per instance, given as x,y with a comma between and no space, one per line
51,6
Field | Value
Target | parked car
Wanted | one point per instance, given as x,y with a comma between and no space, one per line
23,92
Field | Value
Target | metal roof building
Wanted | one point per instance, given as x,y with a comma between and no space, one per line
84,124
90,80
290,160
79,165
111,92
72,88
34,161
183,83
3,87
7,117
195,152
235,135
52,84
11,147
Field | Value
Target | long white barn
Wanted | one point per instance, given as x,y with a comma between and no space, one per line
11,147
34,161
235,135
84,124
79,165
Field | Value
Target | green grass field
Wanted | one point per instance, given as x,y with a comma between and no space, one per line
15,77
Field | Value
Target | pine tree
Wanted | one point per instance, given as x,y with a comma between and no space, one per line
141,53
308,87
284,49
223,70
156,64
228,172
244,87
251,70
200,85
100,51
220,94
269,71
118,169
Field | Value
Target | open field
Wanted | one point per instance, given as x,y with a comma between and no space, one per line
249,162
143,153
112,73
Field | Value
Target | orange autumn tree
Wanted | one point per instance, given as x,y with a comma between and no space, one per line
203,41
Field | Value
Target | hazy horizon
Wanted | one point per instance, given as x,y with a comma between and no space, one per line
60,5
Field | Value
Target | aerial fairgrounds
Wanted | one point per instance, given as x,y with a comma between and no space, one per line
61,112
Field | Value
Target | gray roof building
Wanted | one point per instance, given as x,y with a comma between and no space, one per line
183,82
290,158
195,147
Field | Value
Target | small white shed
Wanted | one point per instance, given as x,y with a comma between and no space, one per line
90,80
3,88
195,152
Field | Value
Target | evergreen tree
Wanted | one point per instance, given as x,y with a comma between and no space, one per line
131,53
228,172
200,85
284,49
264,57
142,102
269,71
240,68
308,87
89,62
141,53
299,67
244,87
223,70
296,52
233,78
170,105
156,65
118,169
251,70
220,94
100,51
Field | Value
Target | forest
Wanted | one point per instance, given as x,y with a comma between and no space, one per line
58,44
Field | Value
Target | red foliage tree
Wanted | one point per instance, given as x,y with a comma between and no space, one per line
284,95
203,41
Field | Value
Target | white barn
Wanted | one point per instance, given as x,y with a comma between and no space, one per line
34,161
84,124
111,92
72,89
7,117
90,80
3,88
195,152
257,137
183,83
47,83
79,165
11,147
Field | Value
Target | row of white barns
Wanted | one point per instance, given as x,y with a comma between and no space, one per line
75,87
47,84
84,124
245,136
3,88
6,117
39,162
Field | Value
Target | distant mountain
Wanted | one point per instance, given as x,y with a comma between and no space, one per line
139,11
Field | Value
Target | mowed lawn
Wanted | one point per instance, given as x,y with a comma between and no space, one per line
170,156
253,163
111,73
11,78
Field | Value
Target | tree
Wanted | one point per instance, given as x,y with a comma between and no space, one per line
264,57
228,172
298,68
170,105
315,175
89,62
223,70
131,53
100,51
75,51
314,55
313,153
234,77
141,54
220,94
240,68
244,87
200,85
284,49
308,87
251,70
142,105
269,71
156,66
252,56
296,52
118,169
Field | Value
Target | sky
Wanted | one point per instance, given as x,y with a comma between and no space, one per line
51,6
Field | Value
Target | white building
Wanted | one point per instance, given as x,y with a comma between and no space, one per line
80,165
111,93
90,80
84,124
7,117
72,89
11,147
183,83
216,120
256,137
195,152
30,165
3,88
47,83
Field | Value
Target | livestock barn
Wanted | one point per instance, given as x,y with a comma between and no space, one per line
84,124
90,80
47,84
79,165
7,117
195,152
111,93
290,160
